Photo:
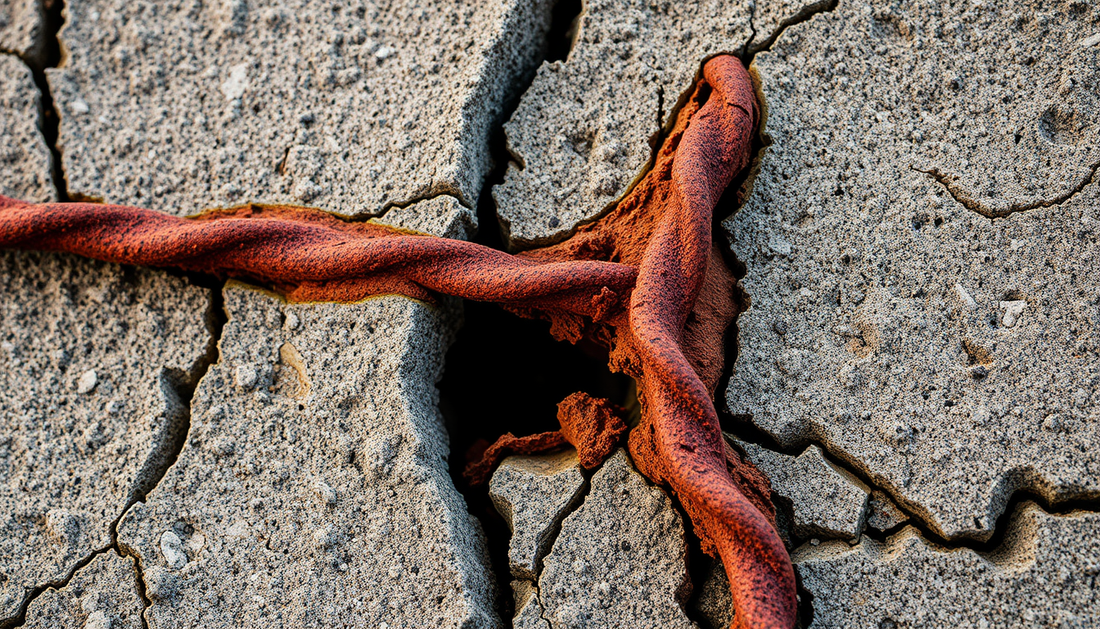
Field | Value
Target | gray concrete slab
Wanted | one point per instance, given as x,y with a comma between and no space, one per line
24,158
101,595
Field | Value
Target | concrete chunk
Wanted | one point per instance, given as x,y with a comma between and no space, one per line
24,157
23,29
529,613
534,494
349,107
620,559
1042,575
320,479
898,353
826,500
102,595
73,457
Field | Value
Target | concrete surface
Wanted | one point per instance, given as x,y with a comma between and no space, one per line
529,612
587,127
102,595
23,30
96,357
315,472
534,494
349,107
825,500
24,158
620,559
885,322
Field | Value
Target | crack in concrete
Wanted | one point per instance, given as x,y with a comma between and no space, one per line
804,14
976,206
50,118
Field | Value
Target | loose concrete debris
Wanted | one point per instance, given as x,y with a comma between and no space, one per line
333,507
586,127
534,494
24,156
94,356
23,30
1042,575
931,390
826,501
352,108
102,595
620,559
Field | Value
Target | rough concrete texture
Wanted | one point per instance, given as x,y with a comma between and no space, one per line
102,595
620,559
24,156
713,604
349,107
534,494
886,321
94,357
23,30
587,127
313,489
529,613
825,500
440,216
1042,575
882,513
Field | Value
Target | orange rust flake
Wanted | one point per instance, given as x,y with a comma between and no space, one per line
594,426
646,281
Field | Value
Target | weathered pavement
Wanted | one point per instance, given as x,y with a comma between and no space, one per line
919,246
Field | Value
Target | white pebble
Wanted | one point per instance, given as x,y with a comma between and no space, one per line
171,546
1013,310
86,382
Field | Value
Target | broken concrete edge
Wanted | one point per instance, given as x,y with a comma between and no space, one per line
94,596
25,35
38,172
806,12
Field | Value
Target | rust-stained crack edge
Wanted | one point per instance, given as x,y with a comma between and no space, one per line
183,387
976,206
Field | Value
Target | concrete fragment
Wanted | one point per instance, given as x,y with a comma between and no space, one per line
825,500
883,359
23,30
24,157
534,494
883,514
586,128
1042,575
620,559
713,604
529,613
440,216
72,457
352,108
101,595
323,484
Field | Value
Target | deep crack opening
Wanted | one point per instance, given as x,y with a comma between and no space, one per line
50,121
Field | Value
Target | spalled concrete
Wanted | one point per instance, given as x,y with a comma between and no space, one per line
825,500
315,471
534,494
23,30
620,559
24,156
349,107
1044,574
95,356
102,595
587,127
886,319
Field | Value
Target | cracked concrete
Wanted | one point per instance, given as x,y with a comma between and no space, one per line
587,127
94,358
102,595
24,156
880,325
315,469
351,108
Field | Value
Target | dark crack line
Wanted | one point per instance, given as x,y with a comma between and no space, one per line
50,120
804,14
976,206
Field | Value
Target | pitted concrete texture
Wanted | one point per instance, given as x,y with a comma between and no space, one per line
23,30
529,613
620,559
825,500
349,107
95,356
713,605
315,472
882,513
102,595
587,127
24,156
953,359
440,216
1044,574
534,494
